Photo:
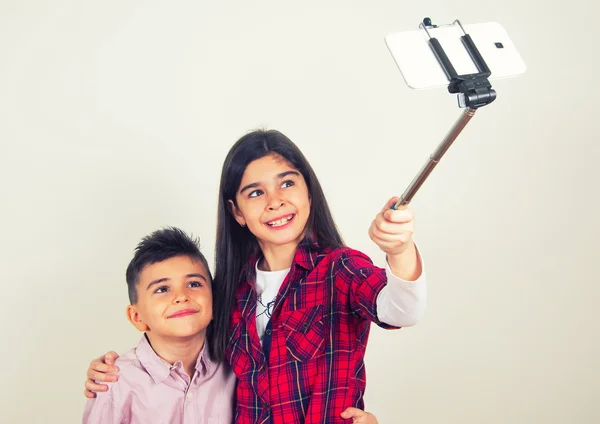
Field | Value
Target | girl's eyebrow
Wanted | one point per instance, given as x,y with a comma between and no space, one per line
248,187
279,176
286,173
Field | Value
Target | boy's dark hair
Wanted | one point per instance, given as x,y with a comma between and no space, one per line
157,247
235,244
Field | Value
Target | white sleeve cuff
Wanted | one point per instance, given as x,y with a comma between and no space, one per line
402,303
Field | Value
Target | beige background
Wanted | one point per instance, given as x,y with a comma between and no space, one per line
115,117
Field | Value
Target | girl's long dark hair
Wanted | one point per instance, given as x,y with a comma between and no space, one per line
235,244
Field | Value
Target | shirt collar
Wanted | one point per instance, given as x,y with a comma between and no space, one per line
307,254
204,363
159,369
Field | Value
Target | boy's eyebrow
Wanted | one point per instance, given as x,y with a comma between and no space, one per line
155,282
197,276
162,280
279,176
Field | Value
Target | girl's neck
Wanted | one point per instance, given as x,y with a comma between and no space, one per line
277,258
184,349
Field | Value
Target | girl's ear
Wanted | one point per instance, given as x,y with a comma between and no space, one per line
134,317
236,213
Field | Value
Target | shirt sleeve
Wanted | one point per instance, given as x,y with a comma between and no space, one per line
361,282
402,303
102,409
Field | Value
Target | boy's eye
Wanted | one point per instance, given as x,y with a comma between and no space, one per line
287,183
255,193
162,289
195,284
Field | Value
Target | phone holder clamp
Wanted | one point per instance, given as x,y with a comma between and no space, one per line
474,90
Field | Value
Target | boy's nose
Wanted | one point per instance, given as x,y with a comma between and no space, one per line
181,297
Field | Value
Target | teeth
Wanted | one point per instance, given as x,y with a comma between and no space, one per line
280,222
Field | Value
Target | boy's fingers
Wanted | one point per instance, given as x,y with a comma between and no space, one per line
352,413
370,418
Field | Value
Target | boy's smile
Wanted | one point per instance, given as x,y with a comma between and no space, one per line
183,313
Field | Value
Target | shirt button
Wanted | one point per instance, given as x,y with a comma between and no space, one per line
189,396
268,332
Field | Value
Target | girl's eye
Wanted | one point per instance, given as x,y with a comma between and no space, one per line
162,289
287,183
195,284
255,193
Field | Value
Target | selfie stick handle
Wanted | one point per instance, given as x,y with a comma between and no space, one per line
474,91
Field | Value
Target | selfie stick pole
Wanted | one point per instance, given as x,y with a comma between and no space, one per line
474,91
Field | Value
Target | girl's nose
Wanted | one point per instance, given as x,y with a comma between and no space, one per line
275,206
275,202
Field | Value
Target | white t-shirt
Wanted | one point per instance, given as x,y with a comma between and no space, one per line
267,287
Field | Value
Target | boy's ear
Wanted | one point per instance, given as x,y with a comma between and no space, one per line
134,317
236,213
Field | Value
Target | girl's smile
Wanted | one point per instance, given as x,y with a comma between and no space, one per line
279,223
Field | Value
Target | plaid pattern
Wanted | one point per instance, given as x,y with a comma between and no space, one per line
320,326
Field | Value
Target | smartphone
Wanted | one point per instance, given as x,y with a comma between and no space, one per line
421,70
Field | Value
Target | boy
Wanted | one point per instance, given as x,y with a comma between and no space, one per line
169,377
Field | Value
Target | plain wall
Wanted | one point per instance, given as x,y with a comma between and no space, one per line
115,118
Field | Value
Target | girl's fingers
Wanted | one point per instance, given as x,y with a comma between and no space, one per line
92,386
399,216
383,238
392,228
388,205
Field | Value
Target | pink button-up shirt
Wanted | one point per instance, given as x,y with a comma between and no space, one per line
150,390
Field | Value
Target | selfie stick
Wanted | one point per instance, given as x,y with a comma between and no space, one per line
474,91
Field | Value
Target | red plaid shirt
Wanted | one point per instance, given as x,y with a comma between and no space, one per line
320,325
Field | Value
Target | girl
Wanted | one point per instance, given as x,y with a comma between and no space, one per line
293,305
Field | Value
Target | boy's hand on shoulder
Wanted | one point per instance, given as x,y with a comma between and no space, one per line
358,416
101,369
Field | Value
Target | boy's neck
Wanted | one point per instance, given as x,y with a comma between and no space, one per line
277,258
184,349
